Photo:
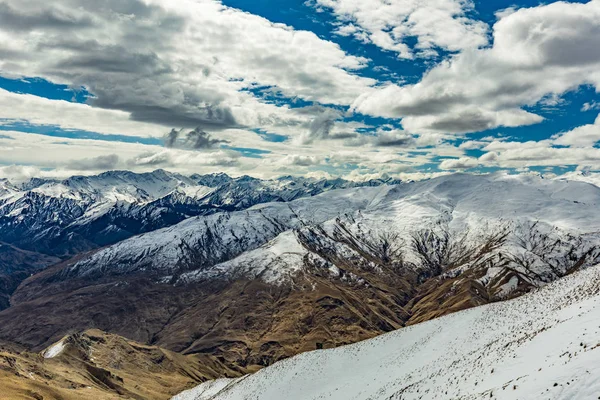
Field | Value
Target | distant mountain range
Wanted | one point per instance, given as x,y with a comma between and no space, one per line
65,217
43,220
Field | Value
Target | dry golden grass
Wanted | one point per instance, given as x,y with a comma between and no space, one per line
96,365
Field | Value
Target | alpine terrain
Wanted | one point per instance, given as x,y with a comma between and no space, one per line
299,199
543,345
43,220
248,285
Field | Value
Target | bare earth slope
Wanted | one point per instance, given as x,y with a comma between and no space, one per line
96,365
15,266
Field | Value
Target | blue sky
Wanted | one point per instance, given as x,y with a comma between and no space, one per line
319,87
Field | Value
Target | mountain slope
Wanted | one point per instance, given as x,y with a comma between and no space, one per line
63,218
542,345
15,266
256,286
97,365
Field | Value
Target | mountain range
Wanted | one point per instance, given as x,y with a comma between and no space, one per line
248,273
51,219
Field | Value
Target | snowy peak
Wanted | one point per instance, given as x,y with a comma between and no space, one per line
115,186
7,189
203,242
94,211
501,233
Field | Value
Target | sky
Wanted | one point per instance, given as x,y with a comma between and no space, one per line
324,88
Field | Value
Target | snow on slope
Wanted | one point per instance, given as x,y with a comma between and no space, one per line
7,189
204,241
94,211
543,345
553,225
582,176
116,186
207,390
55,349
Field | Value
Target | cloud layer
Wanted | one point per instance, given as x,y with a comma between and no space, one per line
205,87
185,63
434,24
537,53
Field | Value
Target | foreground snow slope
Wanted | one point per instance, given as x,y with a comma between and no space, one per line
544,345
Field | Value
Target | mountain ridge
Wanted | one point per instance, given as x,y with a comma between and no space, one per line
492,351
64,217
277,279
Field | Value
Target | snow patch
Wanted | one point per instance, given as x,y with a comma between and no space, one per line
55,349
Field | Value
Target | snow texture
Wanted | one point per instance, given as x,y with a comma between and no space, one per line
86,212
54,350
543,345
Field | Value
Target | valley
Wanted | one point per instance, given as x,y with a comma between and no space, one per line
243,290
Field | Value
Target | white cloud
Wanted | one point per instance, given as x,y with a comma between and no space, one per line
582,136
153,65
23,173
473,145
62,157
538,53
507,154
179,64
42,111
461,163
301,160
436,24
592,105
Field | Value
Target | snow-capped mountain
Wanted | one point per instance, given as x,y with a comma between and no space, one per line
514,230
276,279
7,189
544,345
84,212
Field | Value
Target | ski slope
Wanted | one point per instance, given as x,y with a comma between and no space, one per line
543,345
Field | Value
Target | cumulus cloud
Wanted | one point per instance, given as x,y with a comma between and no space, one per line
301,160
473,145
20,173
436,24
513,154
394,138
184,63
461,163
582,136
537,53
